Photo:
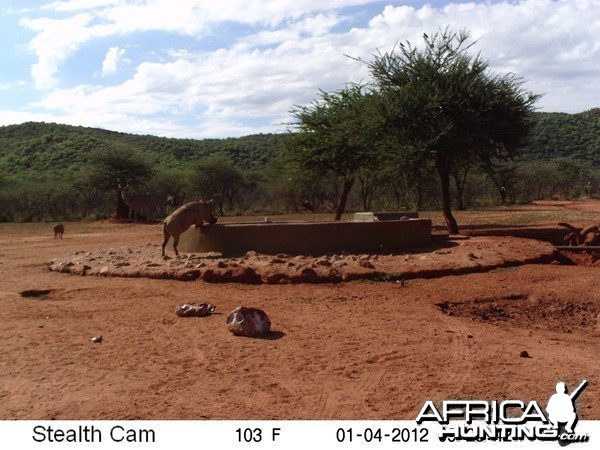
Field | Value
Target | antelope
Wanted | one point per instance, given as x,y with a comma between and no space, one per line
136,202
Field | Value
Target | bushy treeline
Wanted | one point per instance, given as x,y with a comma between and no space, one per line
47,172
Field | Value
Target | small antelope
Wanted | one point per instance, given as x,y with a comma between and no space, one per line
136,202
59,229
194,213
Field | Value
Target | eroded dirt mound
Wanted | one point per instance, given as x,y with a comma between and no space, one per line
445,258
579,258
533,311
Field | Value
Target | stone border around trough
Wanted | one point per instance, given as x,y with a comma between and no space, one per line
479,254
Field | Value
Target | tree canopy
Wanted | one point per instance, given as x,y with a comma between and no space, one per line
337,134
447,106
112,169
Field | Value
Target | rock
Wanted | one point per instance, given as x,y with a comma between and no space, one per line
274,278
323,262
250,322
96,339
524,354
245,275
195,310
307,275
366,263
104,270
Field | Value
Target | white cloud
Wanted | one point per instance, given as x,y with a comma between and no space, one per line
79,5
57,39
12,85
113,59
293,53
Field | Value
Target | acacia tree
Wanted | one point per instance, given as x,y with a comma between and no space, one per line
449,108
217,178
337,134
110,168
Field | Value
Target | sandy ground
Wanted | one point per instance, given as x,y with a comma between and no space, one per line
350,350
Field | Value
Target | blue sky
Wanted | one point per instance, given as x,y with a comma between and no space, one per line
207,68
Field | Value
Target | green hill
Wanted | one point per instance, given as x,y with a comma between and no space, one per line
49,148
35,148
560,135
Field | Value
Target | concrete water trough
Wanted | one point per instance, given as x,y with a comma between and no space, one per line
307,238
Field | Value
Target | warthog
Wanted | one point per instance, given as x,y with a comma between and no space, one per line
59,229
194,213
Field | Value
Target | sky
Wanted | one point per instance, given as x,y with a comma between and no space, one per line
227,68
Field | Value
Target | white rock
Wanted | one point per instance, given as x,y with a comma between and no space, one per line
249,322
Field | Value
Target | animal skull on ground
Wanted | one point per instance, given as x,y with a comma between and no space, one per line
195,310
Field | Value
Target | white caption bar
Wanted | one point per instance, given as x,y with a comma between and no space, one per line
288,435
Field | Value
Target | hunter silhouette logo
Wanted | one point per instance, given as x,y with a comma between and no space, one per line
562,412
508,420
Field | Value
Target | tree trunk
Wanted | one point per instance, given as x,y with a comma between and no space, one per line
419,203
343,198
122,209
460,189
459,194
446,202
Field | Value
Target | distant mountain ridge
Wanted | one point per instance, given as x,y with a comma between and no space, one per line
564,135
38,147
43,147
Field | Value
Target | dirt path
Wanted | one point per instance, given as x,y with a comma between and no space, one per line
354,350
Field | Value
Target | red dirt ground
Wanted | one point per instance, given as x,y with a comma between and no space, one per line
351,350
